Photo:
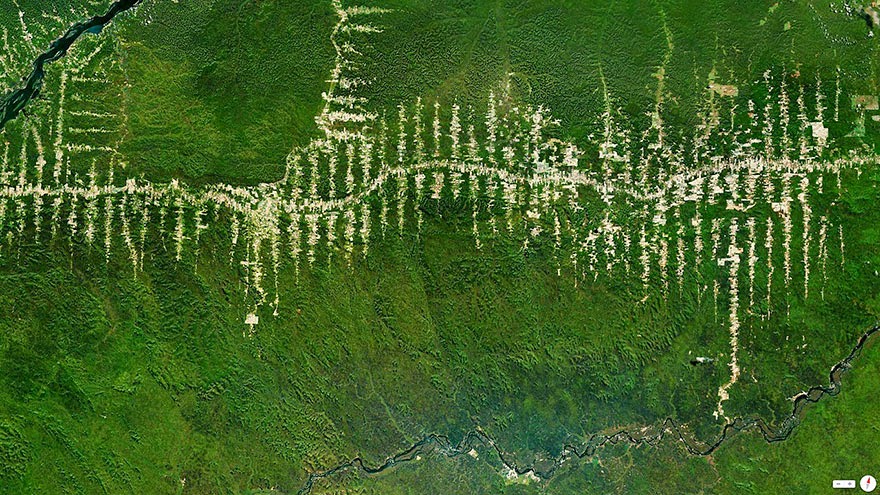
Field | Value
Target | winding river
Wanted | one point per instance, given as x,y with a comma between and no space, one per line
13,103
435,443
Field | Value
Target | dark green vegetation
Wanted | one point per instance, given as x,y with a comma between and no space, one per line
557,54
223,90
14,102
20,48
836,440
149,383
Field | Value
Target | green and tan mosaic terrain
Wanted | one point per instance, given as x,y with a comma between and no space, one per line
440,247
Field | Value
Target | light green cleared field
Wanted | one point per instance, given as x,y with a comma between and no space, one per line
244,242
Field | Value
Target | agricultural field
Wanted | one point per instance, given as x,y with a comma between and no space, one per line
413,246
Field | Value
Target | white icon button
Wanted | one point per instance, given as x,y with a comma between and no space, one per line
868,483
843,484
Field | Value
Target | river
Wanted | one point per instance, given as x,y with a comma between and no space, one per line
13,103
